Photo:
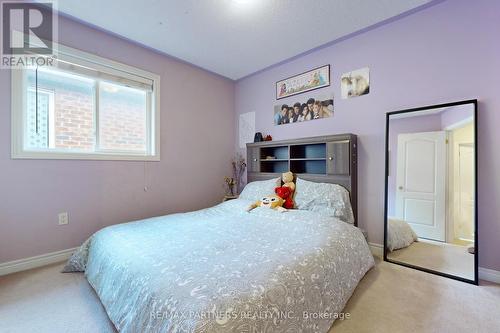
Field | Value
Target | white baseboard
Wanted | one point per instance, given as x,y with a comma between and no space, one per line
377,249
489,275
485,274
34,262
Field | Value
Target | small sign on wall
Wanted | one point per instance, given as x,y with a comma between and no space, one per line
246,128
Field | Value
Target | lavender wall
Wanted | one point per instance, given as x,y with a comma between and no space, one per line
444,53
196,113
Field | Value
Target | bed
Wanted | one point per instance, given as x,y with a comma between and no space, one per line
399,234
223,269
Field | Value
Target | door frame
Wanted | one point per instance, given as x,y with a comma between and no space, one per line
450,178
474,102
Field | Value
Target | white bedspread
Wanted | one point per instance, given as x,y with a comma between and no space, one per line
225,270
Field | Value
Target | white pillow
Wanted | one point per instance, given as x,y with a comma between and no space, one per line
255,190
399,234
323,198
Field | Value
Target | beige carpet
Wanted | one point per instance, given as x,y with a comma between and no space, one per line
443,257
390,298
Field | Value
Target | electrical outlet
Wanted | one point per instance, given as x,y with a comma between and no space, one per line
63,218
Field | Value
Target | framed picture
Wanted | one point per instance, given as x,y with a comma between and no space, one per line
303,111
307,81
355,83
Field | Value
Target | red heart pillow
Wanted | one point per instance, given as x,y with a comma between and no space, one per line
283,192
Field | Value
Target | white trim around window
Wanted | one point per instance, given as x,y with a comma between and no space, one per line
87,64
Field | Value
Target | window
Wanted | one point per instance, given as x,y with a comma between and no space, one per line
85,107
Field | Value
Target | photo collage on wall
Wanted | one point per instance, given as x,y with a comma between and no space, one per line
303,111
353,84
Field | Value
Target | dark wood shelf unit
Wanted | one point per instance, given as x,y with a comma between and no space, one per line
328,159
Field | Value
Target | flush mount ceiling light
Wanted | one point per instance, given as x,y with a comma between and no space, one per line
244,3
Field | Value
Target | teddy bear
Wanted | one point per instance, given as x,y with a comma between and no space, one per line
272,201
287,178
286,190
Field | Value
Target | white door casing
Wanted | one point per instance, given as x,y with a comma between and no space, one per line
464,211
421,183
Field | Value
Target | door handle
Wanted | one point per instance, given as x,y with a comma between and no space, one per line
400,188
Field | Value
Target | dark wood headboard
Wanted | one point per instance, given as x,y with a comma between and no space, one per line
323,159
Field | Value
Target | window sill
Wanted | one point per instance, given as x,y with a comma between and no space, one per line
33,155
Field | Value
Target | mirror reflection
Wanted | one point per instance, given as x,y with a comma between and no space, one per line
431,189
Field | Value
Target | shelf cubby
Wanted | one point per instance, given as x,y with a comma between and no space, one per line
309,166
308,151
279,153
274,166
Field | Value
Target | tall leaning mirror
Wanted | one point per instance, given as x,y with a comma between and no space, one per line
431,189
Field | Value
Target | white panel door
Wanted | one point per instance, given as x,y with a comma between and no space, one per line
421,183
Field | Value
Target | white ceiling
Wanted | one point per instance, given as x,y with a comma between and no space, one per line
234,38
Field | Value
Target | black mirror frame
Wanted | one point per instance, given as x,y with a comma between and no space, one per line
475,281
